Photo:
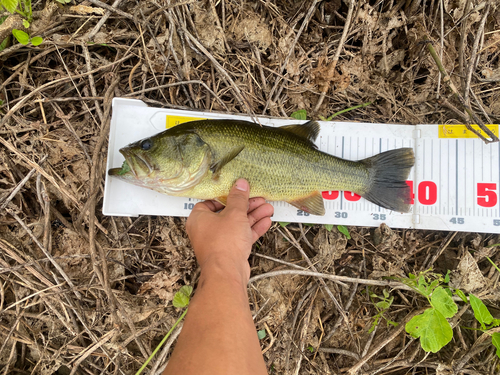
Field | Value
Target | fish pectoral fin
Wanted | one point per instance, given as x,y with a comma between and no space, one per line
219,164
221,200
312,204
309,130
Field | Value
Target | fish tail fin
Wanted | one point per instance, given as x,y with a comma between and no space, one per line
388,173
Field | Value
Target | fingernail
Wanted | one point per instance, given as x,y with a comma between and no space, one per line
242,184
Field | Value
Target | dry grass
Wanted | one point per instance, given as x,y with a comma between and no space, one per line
82,293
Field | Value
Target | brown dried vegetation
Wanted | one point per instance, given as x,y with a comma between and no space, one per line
82,293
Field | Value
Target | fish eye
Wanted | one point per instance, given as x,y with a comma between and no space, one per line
146,144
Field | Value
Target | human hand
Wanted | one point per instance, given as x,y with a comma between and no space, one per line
222,241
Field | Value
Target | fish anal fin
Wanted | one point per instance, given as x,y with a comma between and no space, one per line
219,164
222,200
312,204
309,130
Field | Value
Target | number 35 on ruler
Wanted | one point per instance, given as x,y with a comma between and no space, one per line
427,194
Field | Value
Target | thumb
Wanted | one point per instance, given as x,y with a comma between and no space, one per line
238,196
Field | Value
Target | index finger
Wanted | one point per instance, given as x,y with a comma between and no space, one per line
213,206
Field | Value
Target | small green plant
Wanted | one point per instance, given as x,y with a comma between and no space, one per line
283,224
22,7
24,38
301,114
310,348
343,229
382,307
181,300
484,317
344,111
328,227
3,44
261,334
431,326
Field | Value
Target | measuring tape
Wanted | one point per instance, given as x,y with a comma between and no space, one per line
455,181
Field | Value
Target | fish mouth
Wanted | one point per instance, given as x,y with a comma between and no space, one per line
134,163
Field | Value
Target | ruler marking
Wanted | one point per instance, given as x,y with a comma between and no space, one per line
341,195
465,179
440,185
456,178
474,178
432,159
448,154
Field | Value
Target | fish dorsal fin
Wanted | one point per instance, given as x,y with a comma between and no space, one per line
312,204
309,130
219,164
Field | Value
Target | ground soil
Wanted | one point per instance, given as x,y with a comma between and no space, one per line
84,293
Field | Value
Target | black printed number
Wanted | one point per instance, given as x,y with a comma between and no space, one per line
342,215
378,216
188,206
457,220
302,213
496,223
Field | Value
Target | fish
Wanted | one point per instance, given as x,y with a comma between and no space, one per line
203,159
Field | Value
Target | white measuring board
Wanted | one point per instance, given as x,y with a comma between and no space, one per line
455,180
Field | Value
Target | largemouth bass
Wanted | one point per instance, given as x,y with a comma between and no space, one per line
203,159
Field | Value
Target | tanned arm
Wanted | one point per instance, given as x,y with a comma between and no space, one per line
219,335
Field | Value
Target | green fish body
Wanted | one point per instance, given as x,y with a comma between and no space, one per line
203,159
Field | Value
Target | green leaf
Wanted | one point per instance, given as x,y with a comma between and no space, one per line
374,324
462,295
283,224
447,277
495,340
181,298
443,302
125,168
310,348
344,230
4,43
480,311
383,305
261,334
432,328
301,114
21,36
423,286
36,41
328,227
26,24
10,5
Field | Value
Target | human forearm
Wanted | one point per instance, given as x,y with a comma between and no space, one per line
219,335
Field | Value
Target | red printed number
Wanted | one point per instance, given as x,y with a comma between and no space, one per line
330,195
412,194
353,197
486,195
427,192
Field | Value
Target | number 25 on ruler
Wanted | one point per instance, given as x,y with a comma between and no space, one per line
427,194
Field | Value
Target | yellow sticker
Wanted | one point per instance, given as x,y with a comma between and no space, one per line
176,120
461,131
